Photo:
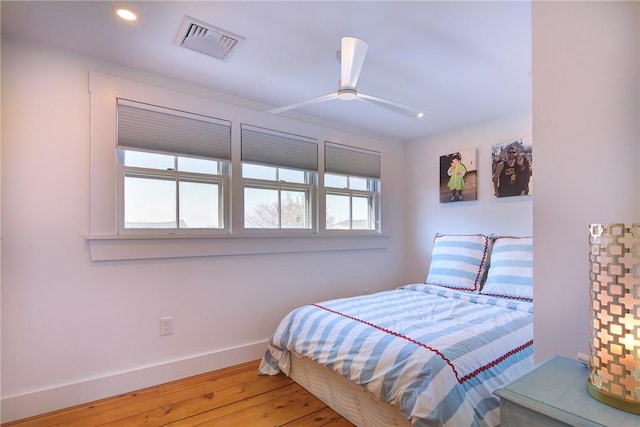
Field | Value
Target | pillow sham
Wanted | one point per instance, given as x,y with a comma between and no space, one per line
458,261
510,274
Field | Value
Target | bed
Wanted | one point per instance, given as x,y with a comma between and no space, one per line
423,354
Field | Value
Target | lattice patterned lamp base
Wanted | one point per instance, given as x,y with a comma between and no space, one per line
614,356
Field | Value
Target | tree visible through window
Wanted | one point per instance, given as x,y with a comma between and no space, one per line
291,211
276,198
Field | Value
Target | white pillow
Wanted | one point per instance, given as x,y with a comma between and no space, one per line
458,261
510,273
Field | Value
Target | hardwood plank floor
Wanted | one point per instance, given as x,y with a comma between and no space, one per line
234,396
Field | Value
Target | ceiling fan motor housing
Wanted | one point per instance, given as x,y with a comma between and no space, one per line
347,94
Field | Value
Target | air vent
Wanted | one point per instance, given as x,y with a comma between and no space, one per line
207,39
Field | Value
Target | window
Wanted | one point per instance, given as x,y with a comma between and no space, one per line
350,202
190,148
171,192
351,182
172,169
278,179
276,197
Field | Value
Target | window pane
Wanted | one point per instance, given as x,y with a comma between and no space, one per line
291,175
260,208
199,205
361,213
141,159
358,183
337,212
335,181
259,172
189,164
294,210
149,203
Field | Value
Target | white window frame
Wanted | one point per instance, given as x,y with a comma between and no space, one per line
374,208
309,188
145,127
353,162
281,150
176,176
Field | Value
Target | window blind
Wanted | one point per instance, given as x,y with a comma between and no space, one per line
345,160
274,148
154,128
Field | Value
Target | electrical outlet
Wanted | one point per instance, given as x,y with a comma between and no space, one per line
166,325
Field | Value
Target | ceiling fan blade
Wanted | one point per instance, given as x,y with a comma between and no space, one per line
327,97
352,57
391,105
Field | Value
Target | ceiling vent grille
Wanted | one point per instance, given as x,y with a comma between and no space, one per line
207,39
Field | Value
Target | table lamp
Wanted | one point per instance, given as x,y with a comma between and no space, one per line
614,350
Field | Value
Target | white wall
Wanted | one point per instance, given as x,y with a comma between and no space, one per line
586,119
426,216
75,330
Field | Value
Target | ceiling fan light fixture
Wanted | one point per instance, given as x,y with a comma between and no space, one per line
347,94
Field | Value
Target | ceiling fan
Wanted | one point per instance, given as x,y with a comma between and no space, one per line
351,58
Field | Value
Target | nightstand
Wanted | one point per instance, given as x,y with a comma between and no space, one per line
554,393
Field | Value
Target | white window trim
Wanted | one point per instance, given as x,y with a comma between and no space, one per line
110,248
104,241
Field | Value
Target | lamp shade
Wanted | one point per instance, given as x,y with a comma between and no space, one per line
614,354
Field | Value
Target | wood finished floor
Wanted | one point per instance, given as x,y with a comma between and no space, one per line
235,396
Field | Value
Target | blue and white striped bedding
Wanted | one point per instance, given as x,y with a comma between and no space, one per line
434,353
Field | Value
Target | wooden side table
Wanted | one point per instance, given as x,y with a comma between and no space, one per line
554,393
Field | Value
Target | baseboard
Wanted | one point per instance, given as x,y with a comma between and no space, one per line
59,397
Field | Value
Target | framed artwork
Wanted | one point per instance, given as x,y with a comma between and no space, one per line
459,176
512,168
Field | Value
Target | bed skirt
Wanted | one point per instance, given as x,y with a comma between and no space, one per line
350,400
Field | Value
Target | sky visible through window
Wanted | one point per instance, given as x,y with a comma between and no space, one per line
151,201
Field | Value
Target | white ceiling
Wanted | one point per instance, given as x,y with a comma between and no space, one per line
459,62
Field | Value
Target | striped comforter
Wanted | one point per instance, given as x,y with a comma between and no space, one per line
434,353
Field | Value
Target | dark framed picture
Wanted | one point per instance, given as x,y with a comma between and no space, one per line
459,176
512,168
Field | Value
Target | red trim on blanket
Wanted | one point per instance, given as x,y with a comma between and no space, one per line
396,334
495,362
436,351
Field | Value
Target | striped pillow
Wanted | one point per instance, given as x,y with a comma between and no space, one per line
458,261
510,274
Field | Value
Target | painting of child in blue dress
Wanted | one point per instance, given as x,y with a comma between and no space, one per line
458,177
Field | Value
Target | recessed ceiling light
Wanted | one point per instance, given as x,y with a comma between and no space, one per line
126,14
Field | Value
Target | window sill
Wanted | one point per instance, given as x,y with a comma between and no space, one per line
113,248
